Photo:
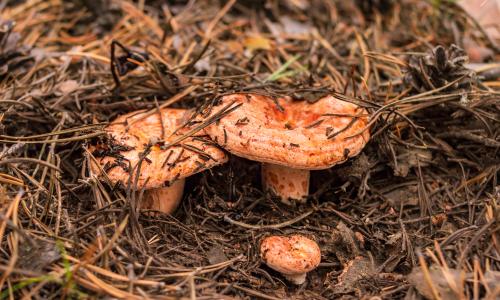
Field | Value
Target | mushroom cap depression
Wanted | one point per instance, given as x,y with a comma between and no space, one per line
290,255
296,134
160,167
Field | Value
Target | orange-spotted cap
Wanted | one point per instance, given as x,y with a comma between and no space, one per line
130,136
290,255
295,134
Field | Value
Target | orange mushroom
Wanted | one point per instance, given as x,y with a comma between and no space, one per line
139,140
293,256
291,137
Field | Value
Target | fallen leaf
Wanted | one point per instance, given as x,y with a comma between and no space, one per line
257,42
344,243
394,239
358,268
37,255
407,159
294,27
216,255
67,87
203,64
439,282
403,196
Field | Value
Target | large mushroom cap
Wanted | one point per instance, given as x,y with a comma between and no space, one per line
160,166
291,133
290,255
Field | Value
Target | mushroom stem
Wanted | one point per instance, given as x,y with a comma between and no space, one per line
296,278
164,199
287,183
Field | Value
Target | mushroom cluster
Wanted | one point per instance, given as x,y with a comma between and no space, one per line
291,138
288,137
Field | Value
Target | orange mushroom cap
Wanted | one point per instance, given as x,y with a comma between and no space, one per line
291,255
295,134
161,166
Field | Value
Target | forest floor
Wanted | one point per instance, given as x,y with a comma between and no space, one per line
416,214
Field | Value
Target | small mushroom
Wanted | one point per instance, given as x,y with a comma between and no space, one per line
291,137
293,256
137,138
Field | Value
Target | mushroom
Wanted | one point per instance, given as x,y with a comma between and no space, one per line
291,137
141,139
293,255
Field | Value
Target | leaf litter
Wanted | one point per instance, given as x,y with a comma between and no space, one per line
415,215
